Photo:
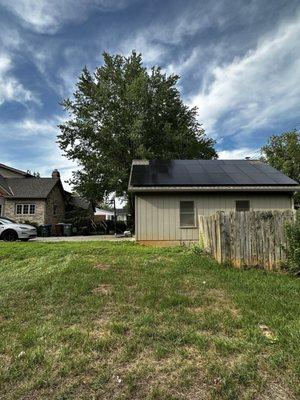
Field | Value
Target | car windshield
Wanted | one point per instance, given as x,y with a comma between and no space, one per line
7,220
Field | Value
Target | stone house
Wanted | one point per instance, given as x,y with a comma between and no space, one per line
24,197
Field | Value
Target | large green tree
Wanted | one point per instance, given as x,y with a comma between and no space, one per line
283,153
123,112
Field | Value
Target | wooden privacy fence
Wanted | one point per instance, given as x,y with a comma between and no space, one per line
254,238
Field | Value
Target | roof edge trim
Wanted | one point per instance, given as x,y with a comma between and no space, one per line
135,189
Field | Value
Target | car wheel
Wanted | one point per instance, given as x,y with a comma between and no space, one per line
10,235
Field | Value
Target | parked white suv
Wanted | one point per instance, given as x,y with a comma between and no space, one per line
11,230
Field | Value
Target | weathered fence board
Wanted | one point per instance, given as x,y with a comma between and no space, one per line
254,238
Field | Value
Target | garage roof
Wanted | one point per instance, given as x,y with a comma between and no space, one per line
206,173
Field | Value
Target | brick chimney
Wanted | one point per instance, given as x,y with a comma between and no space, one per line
55,174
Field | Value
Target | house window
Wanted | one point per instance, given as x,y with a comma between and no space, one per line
187,214
242,205
32,209
25,209
54,209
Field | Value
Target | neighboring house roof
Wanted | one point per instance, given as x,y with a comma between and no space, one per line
101,211
23,173
79,202
4,188
207,175
31,188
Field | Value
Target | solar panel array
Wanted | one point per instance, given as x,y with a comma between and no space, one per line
207,173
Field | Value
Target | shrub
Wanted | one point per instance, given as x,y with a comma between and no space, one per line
293,246
32,223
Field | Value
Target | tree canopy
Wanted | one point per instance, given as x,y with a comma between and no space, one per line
122,112
283,153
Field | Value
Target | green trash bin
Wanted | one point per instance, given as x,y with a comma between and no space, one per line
45,230
68,229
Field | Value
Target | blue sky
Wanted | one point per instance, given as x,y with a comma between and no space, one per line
239,63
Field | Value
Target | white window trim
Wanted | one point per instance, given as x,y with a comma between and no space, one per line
22,208
194,213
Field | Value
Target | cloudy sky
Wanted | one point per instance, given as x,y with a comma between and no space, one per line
239,63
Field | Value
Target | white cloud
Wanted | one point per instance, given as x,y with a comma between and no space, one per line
41,153
158,38
10,88
237,154
48,16
256,90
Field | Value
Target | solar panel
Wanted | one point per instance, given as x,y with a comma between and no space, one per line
206,172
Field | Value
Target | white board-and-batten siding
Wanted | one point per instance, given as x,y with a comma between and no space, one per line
157,216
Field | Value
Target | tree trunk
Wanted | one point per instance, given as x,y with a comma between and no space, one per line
131,211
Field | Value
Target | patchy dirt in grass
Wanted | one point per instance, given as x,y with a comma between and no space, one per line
267,332
216,300
220,300
100,333
104,267
149,377
275,391
102,289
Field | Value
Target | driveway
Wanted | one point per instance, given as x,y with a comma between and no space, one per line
93,238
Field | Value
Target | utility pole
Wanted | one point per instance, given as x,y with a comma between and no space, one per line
115,215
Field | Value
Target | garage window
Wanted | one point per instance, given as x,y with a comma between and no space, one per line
187,214
242,205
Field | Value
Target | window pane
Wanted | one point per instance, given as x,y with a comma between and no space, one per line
187,213
242,205
187,220
19,208
32,209
187,206
25,209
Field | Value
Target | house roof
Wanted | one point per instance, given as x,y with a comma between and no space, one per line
31,188
3,186
79,202
158,175
18,171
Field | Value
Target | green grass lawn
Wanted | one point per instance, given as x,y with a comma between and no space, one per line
121,321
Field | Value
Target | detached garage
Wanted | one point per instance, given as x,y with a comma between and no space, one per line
170,195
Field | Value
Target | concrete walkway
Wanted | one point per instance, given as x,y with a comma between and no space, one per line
94,238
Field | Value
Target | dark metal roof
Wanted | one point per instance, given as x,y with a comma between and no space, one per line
172,173
31,188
